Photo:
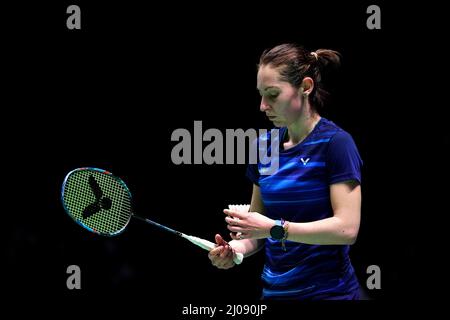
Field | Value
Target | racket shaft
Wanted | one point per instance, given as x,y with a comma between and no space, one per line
159,225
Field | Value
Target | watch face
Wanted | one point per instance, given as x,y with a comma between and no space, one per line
277,232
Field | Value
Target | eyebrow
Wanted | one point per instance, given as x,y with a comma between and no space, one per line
271,87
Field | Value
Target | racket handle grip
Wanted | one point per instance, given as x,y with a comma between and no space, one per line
208,245
238,257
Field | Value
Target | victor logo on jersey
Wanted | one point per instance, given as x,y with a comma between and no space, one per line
304,161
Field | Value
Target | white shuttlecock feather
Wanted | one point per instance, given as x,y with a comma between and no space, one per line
239,208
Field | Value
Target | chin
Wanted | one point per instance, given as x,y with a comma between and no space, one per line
278,124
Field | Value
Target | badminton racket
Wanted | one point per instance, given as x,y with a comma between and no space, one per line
101,203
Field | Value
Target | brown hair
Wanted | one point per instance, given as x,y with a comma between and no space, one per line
295,63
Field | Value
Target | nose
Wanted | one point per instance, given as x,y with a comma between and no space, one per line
264,105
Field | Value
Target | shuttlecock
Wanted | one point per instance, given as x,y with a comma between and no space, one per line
239,208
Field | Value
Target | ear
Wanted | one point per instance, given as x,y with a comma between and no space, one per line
306,87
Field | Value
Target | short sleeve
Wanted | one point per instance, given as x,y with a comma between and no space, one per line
343,159
261,148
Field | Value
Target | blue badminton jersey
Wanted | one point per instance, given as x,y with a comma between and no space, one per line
299,192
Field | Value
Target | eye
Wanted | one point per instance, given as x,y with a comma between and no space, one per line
273,96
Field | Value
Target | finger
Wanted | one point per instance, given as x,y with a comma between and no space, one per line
239,235
219,240
217,261
224,252
228,265
230,255
234,236
230,220
223,267
235,214
242,236
236,222
225,264
216,251
235,228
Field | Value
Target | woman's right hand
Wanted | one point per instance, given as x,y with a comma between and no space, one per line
222,255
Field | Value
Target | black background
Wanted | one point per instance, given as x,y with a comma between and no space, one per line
110,95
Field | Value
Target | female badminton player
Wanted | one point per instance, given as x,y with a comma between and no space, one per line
307,213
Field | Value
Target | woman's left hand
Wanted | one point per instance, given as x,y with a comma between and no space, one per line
251,225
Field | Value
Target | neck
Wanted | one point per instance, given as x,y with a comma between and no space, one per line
300,129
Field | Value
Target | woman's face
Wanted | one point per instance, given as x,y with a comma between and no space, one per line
280,101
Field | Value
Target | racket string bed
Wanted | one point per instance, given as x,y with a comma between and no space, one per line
78,196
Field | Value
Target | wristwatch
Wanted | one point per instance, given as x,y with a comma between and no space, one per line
277,232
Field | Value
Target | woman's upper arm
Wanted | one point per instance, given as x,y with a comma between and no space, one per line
346,203
257,204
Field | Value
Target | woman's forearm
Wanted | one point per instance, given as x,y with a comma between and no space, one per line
247,247
329,231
